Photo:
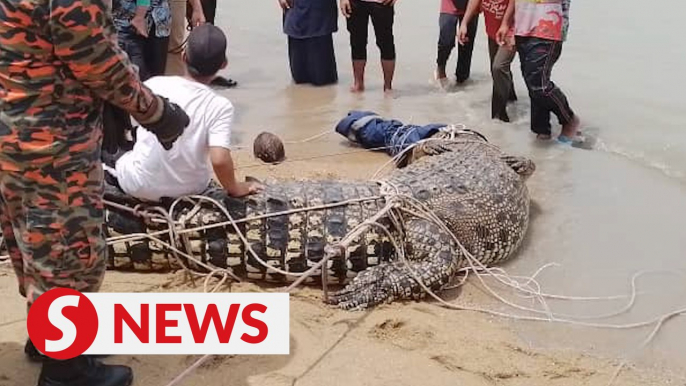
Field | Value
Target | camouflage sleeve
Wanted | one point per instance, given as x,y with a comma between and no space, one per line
85,39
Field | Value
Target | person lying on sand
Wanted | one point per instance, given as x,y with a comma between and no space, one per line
148,171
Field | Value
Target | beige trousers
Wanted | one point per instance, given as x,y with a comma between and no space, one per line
175,64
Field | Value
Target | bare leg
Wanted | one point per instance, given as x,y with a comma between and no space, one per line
358,74
571,129
388,67
440,73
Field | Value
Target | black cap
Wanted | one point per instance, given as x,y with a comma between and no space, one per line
205,50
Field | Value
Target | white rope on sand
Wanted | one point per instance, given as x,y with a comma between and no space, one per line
298,141
476,266
397,205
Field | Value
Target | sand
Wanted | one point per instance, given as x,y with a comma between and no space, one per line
404,343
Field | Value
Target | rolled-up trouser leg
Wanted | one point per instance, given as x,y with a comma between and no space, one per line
52,220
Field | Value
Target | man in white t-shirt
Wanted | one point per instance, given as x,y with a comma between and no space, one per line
148,171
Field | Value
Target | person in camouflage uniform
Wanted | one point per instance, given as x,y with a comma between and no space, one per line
59,62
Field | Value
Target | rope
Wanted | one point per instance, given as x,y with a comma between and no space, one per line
312,138
131,237
290,160
659,321
397,204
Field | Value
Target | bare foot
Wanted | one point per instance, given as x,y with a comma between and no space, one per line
389,93
441,78
543,137
440,74
357,88
571,129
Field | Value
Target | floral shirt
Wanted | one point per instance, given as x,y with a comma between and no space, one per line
158,16
546,19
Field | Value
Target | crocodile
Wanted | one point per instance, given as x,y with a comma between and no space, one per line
476,190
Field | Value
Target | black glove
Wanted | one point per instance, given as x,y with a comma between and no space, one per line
171,125
116,122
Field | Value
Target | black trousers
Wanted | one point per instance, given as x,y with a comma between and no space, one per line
313,60
149,54
209,8
446,42
382,17
537,57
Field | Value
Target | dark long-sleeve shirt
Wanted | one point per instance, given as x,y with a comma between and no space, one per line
59,59
311,18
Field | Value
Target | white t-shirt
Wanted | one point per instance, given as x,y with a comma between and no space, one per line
149,172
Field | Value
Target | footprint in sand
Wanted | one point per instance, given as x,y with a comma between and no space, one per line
398,333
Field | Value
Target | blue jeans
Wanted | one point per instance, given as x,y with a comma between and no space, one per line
537,57
446,43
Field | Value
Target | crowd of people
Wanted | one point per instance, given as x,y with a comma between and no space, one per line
534,29
71,70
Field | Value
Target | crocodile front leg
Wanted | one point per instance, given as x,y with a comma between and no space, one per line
432,255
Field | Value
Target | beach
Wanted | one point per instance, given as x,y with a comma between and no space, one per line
602,215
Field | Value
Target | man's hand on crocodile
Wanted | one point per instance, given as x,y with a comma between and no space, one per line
246,188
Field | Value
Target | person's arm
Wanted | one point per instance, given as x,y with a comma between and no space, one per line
346,8
219,142
84,38
472,9
285,4
138,22
222,163
501,36
197,14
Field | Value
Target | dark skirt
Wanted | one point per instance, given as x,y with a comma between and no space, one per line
313,60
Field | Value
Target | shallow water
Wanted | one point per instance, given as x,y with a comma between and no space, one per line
603,214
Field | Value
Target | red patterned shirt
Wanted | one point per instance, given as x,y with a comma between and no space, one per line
546,19
494,11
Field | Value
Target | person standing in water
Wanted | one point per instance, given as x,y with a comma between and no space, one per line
208,9
540,28
452,14
177,35
310,25
382,14
501,55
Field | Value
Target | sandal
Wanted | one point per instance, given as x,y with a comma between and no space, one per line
220,81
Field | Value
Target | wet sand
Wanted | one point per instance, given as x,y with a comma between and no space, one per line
603,215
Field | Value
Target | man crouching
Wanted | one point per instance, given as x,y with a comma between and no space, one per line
148,171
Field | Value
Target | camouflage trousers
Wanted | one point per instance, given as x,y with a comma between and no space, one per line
52,221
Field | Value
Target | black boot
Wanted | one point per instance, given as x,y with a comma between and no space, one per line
83,371
222,82
33,353
36,356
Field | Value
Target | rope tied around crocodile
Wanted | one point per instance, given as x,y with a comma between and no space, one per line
397,209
